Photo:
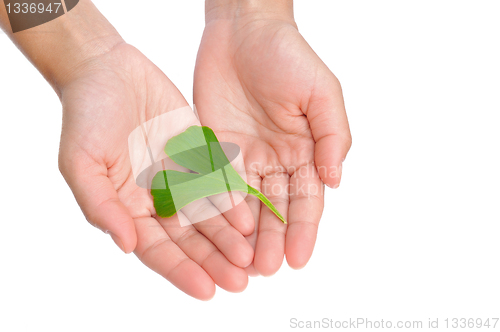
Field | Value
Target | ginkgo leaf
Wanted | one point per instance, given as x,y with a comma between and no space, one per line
198,150
172,190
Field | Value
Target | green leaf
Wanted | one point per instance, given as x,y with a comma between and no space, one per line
198,149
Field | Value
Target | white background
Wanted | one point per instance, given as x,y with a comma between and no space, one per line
412,233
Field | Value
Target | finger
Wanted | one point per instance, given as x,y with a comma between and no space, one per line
99,200
216,228
254,205
205,254
232,204
330,128
306,207
158,252
252,271
270,248
235,210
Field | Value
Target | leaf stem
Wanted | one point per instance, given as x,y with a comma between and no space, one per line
266,201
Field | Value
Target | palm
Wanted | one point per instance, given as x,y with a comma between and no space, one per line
115,95
253,86
102,109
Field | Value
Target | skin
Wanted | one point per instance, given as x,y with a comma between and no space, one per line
121,90
260,85
257,83
108,88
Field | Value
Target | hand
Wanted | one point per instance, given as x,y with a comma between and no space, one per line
259,84
105,100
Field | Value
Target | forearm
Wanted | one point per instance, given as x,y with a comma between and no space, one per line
57,48
254,9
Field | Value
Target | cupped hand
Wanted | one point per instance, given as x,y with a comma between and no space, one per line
260,85
105,100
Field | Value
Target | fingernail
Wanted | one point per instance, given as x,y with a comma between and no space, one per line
117,241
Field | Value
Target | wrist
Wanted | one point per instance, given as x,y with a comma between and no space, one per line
249,10
60,48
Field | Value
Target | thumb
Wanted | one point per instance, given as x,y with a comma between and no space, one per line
330,128
99,200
